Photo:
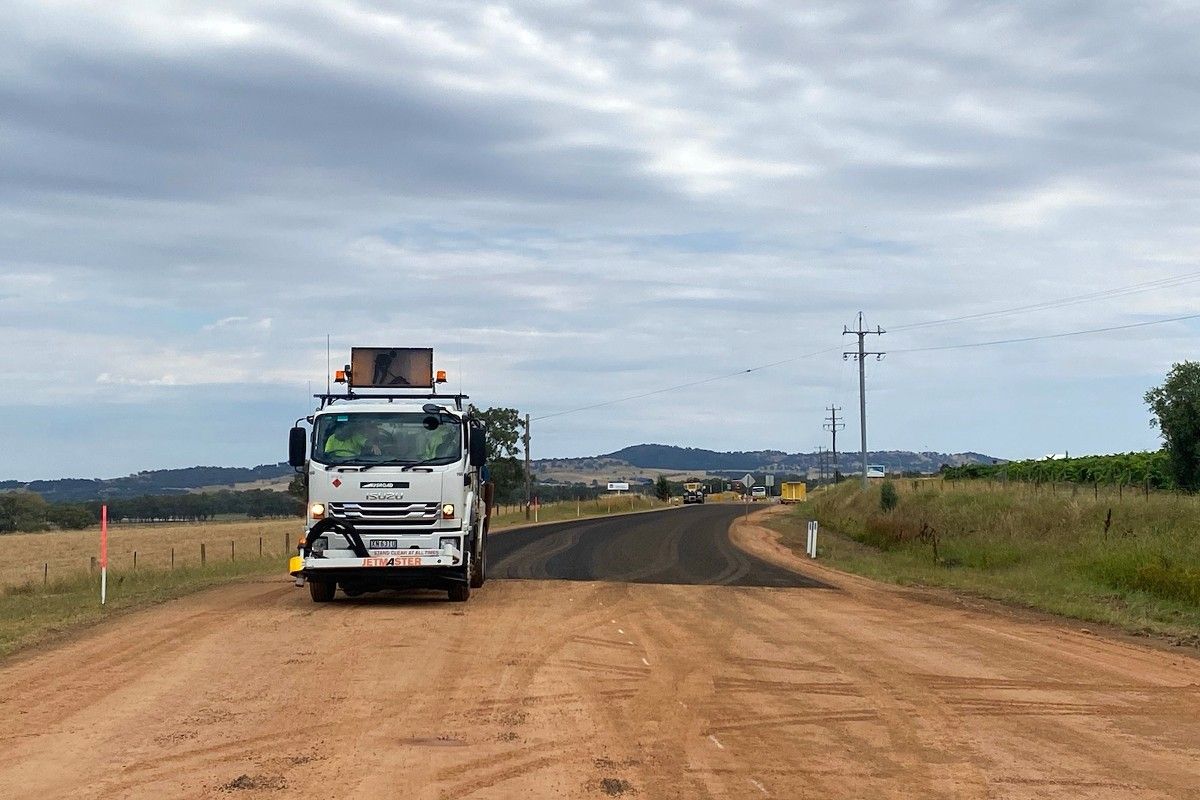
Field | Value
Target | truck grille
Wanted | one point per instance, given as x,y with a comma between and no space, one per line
385,515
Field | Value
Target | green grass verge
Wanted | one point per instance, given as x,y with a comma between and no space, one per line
1130,561
31,613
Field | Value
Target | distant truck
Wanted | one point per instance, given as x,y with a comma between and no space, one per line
397,491
693,493
793,492
758,493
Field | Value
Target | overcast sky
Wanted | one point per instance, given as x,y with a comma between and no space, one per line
573,202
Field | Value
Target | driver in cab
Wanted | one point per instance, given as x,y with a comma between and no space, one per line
349,439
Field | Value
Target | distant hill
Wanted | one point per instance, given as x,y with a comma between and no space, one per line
157,481
640,456
670,457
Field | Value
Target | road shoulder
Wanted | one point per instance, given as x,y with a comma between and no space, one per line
749,534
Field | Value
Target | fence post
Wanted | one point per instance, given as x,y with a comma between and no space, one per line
92,566
172,558
232,552
260,547
135,559
203,559
45,573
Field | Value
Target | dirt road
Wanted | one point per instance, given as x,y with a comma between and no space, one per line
584,689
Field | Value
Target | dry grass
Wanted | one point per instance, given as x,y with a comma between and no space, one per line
1125,558
509,516
30,558
26,558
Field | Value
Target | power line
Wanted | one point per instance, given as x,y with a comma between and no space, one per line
686,385
1116,292
1048,335
1120,291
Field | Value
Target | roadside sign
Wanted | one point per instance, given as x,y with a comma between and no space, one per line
769,480
747,481
618,486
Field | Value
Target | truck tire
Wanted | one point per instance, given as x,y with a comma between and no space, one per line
460,593
479,567
321,591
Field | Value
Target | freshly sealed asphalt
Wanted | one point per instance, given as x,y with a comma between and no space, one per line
688,545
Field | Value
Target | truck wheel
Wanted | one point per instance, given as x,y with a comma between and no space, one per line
460,593
321,591
479,568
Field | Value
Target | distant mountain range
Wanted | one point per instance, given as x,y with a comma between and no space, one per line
670,457
156,481
641,456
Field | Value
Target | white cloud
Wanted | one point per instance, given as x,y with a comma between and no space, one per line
579,201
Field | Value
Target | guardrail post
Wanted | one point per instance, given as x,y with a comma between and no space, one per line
203,559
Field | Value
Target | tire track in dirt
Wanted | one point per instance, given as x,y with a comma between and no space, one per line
585,689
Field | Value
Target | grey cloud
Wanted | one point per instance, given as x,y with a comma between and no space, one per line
562,191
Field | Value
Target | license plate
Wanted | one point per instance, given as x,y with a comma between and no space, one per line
383,544
392,561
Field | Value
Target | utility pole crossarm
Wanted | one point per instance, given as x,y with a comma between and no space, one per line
860,355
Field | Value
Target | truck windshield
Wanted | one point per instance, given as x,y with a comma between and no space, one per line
387,438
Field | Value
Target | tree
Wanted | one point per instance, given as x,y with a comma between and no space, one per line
1176,409
70,516
504,428
662,488
22,511
298,486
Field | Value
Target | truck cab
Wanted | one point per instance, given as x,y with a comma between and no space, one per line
693,493
397,496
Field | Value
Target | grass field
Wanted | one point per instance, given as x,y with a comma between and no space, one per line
1124,558
48,585
58,556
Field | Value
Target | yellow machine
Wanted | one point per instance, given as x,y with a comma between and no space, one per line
793,492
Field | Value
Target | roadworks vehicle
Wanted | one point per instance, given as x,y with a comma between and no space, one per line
793,492
758,493
693,493
397,489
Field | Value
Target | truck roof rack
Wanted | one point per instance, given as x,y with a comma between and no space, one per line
330,399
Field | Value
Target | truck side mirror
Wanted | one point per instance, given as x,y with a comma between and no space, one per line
478,445
297,446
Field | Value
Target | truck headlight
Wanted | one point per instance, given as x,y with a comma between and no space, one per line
317,511
448,511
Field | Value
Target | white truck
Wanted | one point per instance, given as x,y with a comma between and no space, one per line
396,480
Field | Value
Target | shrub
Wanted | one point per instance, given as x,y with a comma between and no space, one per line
889,498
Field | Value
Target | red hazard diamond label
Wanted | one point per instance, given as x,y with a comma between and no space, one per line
337,482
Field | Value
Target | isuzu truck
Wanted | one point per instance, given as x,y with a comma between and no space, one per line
396,481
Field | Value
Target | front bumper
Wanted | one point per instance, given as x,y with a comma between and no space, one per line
404,566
